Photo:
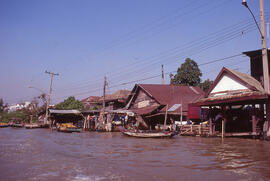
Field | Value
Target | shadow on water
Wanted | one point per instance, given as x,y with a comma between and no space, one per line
44,155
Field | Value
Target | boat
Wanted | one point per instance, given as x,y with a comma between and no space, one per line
31,126
17,125
68,128
149,134
3,125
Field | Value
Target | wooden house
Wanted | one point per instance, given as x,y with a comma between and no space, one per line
152,102
234,99
112,101
116,100
256,67
93,111
91,103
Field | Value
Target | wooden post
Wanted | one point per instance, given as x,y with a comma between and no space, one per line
165,121
31,119
267,115
224,119
254,120
84,123
211,126
223,130
210,121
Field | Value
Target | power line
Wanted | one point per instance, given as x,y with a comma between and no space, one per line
198,44
198,6
151,77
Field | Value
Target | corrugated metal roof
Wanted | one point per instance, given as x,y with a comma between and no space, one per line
173,94
145,110
118,95
168,95
174,107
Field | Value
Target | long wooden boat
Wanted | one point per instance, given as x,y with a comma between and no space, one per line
17,125
31,126
149,134
3,125
68,128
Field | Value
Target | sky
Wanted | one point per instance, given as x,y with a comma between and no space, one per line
126,41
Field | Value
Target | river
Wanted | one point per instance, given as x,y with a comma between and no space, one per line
40,154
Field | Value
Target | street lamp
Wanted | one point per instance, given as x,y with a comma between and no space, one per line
47,103
264,49
244,3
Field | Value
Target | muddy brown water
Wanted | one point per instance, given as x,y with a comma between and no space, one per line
40,154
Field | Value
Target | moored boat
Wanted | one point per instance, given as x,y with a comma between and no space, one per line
3,125
17,125
68,128
149,134
31,126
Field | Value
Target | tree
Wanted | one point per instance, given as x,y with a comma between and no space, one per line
188,74
206,85
70,103
1,105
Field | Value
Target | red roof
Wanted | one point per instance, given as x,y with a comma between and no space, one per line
145,110
172,94
91,99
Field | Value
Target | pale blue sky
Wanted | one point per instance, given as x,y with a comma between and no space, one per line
84,40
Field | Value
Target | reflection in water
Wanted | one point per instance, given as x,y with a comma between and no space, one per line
44,155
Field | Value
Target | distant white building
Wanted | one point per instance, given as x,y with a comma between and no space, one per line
16,107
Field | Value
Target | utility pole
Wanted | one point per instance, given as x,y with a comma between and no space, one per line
162,69
264,50
265,63
50,92
104,92
264,58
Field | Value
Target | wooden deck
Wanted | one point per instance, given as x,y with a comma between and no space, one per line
195,130
204,131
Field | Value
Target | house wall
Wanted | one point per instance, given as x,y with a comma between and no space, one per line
226,83
143,100
256,68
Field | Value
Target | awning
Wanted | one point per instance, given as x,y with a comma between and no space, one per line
122,111
56,111
145,110
243,97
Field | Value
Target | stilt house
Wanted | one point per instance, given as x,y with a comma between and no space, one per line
152,102
235,102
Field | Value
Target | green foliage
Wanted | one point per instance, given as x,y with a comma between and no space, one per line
2,106
19,115
23,115
206,85
70,103
188,74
